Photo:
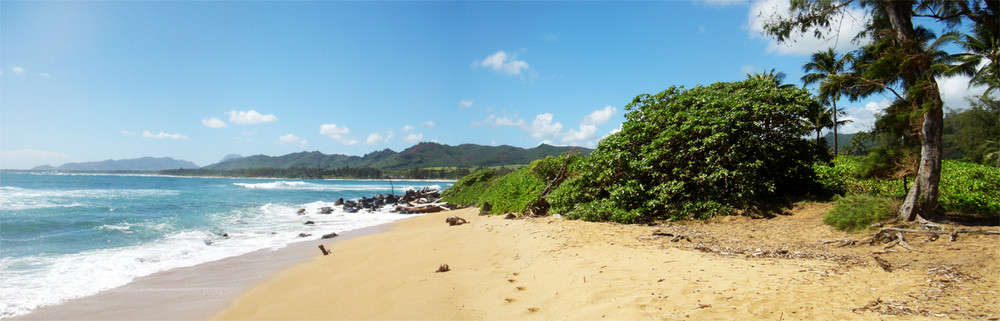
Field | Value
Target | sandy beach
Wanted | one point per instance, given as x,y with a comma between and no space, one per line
733,268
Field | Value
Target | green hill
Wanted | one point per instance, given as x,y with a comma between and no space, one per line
422,155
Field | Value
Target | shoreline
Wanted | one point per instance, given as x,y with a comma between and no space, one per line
550,268
191,293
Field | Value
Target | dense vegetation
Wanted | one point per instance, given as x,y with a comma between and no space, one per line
681,153
966,188
696,153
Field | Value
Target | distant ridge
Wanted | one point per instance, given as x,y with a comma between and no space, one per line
137,164
422,155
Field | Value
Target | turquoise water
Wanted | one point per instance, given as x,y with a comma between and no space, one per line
64,236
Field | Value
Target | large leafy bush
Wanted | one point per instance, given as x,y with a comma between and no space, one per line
695,153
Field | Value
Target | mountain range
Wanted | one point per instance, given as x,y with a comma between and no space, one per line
137,164
422,155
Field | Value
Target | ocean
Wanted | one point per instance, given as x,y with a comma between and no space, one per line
65,236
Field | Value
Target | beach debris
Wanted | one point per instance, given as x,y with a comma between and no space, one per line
883,263
301,211
443,268
486,209
429,208
324,250
455,220
309,223
304,235
329,236
674,237
510,216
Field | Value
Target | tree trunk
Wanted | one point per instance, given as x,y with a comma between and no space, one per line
922,197
835,125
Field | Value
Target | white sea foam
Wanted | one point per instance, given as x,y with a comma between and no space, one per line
40,280
16,199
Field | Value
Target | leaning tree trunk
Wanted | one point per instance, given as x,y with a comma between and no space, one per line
922,197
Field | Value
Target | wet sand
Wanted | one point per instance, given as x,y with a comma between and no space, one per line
190,293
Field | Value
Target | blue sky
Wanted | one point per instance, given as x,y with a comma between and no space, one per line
89,81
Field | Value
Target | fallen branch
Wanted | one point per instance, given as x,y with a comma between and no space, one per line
883,263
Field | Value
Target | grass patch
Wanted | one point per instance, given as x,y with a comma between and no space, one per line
856,213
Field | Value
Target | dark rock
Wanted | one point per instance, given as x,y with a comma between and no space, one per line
304,235
326,210
455,220
486,209
310,222
510,216
339,202
329,236
301,211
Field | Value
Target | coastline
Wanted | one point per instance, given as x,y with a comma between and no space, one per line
550,268
190,293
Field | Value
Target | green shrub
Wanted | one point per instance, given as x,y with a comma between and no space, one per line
512,192
856,213
694,154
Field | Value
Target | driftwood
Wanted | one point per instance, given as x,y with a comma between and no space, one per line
430,208
540,206
883,263
324,250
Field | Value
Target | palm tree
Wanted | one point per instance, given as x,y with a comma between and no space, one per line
819,117
982,45
825,68
773,76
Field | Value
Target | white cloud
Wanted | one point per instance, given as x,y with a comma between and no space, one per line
250,117
600,116
337,133
464,103
586,132
862,117
213,122
506,121
954,90
375,138
429,123
414,137
588,126
162,135
292,139
17,70
841,38
29,158
45,74
503,63
125,132
543,127
407,128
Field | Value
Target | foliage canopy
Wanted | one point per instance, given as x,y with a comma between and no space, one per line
695,153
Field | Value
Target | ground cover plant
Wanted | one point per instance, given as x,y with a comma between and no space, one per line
966,189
